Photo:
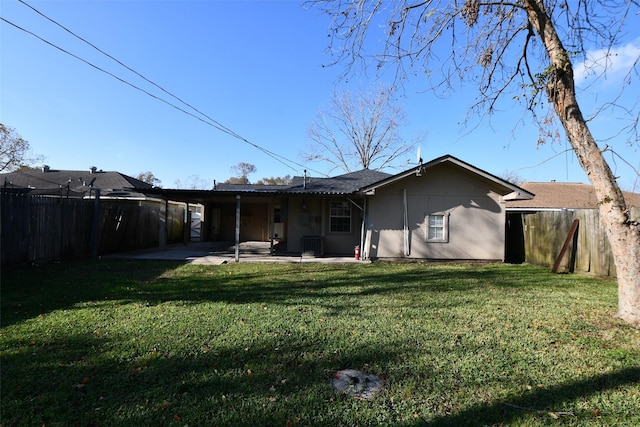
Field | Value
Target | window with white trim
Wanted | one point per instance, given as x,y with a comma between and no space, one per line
437,227
340,217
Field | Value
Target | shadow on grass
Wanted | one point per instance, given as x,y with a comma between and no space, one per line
259,379
543,401
28,292
74,381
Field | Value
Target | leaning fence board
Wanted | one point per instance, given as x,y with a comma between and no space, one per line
570,240
544,233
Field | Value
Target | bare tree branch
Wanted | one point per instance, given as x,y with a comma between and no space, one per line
523,47
14,150
359,131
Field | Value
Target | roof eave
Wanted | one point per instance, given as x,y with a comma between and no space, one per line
516,193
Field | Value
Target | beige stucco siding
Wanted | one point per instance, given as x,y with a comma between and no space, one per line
475,216
310,217
304,219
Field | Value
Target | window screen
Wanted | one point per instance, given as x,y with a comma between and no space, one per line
340,214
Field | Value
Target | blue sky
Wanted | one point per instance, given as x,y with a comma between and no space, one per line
256,67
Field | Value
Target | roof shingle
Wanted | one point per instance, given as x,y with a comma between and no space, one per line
564,195
78,183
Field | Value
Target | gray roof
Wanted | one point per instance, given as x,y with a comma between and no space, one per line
342,184
74,183
253,188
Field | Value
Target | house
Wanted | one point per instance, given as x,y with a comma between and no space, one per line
75,183
311,215
443,209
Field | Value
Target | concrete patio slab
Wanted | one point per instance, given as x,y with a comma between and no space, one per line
216,253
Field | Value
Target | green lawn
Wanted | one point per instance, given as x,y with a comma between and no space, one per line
115,342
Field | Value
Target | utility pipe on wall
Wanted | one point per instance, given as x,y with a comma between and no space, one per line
405,230
364,254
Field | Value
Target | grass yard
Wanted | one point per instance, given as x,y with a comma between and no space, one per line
124,343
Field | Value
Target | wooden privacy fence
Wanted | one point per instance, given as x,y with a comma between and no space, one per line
546,232
36,228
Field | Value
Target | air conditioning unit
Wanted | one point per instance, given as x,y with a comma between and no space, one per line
312,246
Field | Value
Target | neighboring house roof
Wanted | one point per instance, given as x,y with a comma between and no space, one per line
74,183
563,195
507,189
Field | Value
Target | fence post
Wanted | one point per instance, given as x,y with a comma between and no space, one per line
95,227
162,224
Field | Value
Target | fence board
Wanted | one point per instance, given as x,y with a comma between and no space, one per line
36,228
544,234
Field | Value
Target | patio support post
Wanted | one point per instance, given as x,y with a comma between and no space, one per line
238,228
363,214
186,225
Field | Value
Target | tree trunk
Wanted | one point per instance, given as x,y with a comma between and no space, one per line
623,234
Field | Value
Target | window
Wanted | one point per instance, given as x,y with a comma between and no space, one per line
340,214
437,228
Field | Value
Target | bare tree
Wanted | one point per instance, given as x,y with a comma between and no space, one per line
512,176
359,130
193,182
520,49
275,180
149,178
14,150
241,173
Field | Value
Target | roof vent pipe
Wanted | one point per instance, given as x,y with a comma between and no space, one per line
45,168
93,169
304,180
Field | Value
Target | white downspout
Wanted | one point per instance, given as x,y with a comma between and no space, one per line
363,211
364,254
405,231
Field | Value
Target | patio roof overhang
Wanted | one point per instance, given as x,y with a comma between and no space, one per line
207,196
